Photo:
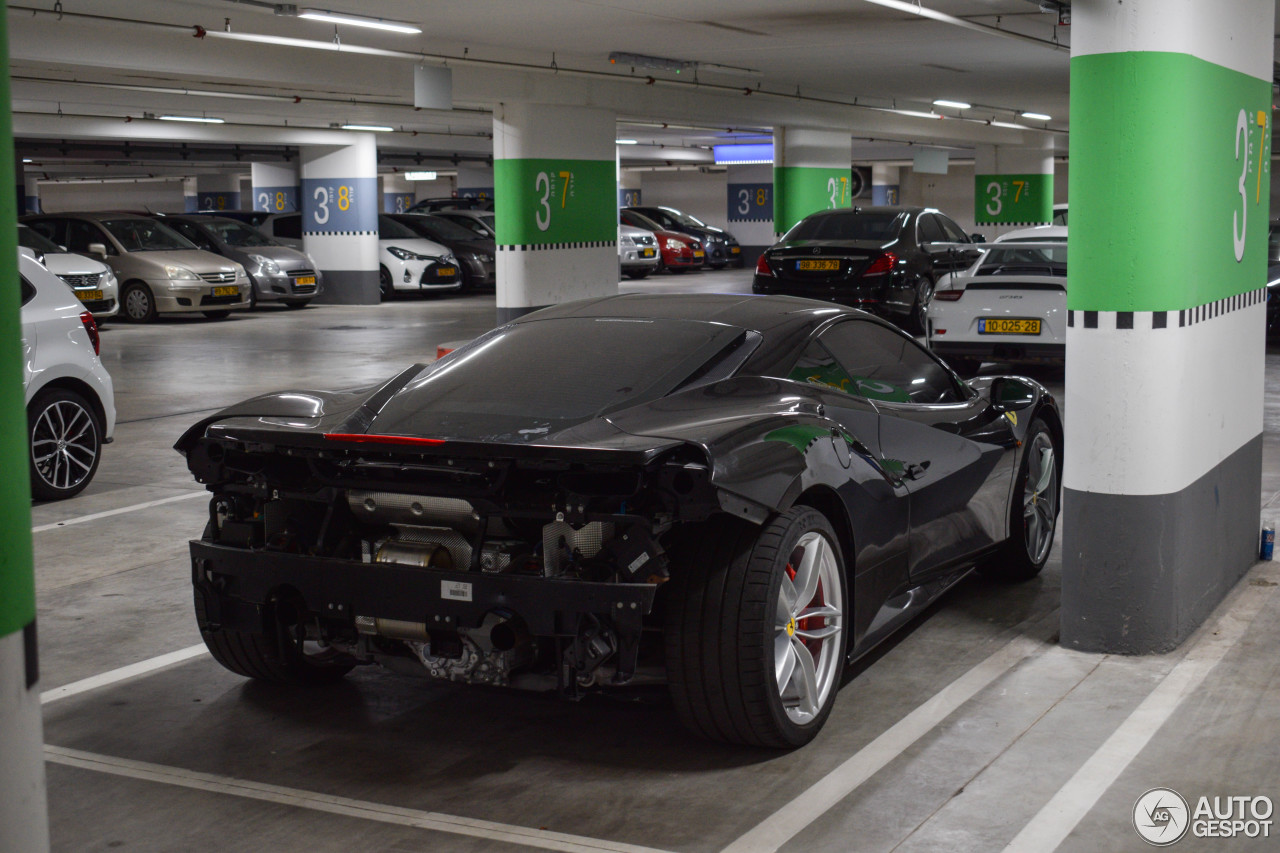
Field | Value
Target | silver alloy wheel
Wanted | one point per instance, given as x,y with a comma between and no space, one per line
1040,498
64,444
137,304
807,626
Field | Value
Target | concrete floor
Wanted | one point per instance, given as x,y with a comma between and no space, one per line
968,732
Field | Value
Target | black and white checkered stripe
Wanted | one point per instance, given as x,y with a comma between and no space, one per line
541,247
1165,319
338,233
769,220
1016,224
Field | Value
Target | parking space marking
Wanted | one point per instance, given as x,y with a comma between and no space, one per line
186,496
790,820
316,801
124,673
1055,821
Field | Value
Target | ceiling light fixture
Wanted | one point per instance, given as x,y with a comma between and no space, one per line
376,128
359,21
1009,125
1035,116
915,113
955,105
626,142
742,154
420,176
197,119
658,63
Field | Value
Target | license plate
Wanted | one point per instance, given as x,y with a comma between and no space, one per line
733,250
233,290
646,253
1001,326
305,280
89,295
818,266
446,271
699,254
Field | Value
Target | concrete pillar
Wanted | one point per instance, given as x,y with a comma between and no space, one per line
1166,313
628,186
340,217
885,183
190,195
556,184
1013,185
218,192
750,207
810,173
24,824
31,194
397,193
275,187
475,181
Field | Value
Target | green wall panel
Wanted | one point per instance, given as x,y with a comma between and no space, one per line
801,190
555,201
1002,199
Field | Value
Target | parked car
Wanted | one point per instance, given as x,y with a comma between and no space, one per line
92,281
433,205
474,252
1009,306
1059,215
482,222
677,251
637,251
160,271
249,217
681,482
721,247
71,410
882,259
1273,277
277,273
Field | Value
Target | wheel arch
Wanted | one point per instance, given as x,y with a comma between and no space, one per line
78,386
824,499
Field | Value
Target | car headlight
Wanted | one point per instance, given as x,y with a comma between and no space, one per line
674,245
402,254
624,240
108,278
265,264
177,273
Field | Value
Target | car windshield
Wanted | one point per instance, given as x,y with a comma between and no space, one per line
34,240
389,229
684,218
854,225
639,220
438,228
1273,244
1011,259
235,233
145,235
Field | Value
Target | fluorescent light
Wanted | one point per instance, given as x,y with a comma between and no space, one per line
198,119
626,142
419,176
915,113
1009,125
1036,116
957,105
26,159
744,154
358,21
376,128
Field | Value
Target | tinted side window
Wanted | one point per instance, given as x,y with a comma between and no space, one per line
80,234
54,229
289,227
952,230
194,234
885,365
817,366
28,291
929,230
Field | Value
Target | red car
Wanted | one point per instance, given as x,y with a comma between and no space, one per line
679,252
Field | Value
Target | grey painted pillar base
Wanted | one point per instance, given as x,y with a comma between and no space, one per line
506,315
1146,570
349,287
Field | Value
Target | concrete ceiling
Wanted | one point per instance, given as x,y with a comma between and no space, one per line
832,63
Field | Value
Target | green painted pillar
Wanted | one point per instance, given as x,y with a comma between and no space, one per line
24,825
1170,169
810,173
556,194
1013,185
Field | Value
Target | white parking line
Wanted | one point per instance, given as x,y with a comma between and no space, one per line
1053,823
790,820
337,805
110,512
124,673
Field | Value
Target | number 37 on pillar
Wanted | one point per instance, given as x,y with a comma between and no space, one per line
1239,218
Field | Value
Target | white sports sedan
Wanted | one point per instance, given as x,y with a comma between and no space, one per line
1011,305
71,408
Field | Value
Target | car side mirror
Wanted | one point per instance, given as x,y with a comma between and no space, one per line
977,238
1011,394
99,249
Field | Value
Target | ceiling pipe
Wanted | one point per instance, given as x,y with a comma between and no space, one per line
914,8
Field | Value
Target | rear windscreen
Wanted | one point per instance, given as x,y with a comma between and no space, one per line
848,226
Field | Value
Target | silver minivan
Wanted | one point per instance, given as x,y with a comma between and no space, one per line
159,270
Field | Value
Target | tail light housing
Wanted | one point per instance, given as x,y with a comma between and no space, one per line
762,267
883,264
92,328
948,295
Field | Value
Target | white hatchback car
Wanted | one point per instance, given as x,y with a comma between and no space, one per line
94,283
1011,305
71,410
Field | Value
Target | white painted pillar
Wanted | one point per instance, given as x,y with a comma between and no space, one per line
475,181
190,195
810,173
397,193
218,192
1013,185
340,217
885,184
750,208
275,187
31,194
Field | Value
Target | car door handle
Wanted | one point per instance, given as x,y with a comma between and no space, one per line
915,470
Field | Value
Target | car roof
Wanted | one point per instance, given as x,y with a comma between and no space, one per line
1039,232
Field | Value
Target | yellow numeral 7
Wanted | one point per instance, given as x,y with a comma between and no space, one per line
565,192
1019,185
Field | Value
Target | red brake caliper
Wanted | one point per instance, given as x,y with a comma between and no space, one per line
806,624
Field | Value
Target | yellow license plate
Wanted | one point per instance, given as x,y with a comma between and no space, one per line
89,295
1001,326
446,270
733,250
646,253
305,279
233,290
699,254
818,266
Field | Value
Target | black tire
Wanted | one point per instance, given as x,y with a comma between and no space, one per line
296,303
137,304
661,267
217,315
253,296
720,632
64,444
385,286
1027,550
270,653
636,274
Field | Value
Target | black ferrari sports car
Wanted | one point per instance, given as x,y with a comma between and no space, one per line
739,494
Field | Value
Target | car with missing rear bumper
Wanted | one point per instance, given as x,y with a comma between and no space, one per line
620,490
